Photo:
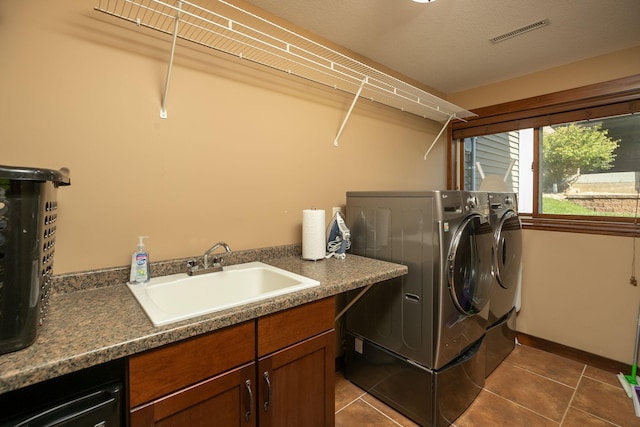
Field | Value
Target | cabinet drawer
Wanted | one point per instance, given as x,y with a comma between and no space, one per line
288,327
158,372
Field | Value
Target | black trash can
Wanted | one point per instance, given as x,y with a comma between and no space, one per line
28,221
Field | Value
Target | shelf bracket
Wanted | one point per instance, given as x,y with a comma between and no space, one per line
353,301
353,103
439,135
163,107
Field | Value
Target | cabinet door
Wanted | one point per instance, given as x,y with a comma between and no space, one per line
297,384
226,400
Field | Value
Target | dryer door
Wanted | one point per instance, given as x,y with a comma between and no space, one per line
508,259
470,265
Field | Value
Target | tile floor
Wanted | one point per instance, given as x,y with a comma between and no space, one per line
530,388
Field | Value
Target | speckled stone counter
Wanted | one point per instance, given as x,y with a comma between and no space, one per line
90,326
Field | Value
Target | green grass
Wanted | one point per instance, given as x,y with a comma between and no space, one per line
563,207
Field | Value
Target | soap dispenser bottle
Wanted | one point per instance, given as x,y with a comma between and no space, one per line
140,263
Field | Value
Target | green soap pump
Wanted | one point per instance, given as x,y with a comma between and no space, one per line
140,263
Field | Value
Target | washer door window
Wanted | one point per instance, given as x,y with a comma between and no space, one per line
507,262
470,265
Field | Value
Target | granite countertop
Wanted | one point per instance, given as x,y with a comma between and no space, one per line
91,326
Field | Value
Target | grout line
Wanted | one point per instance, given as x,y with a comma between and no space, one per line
543,376
595,416
350,403
521,406
575,390
584,375
385,415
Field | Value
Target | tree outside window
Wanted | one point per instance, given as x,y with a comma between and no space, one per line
569,150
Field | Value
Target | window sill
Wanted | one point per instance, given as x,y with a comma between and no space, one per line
581,225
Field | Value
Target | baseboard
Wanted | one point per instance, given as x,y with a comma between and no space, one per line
574,354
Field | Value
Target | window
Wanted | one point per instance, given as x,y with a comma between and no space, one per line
501,162
573,158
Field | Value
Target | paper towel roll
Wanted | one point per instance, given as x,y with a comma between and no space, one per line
313,234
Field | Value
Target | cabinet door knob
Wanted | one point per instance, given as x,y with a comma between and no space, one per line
247,385
268,382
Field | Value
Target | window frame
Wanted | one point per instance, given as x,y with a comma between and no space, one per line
615,97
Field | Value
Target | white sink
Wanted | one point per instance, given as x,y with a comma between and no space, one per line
177,297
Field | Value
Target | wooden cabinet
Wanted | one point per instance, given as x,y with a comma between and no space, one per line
296,366
297,384
191,383
275,371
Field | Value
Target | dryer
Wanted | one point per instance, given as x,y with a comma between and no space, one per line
507,272
417,342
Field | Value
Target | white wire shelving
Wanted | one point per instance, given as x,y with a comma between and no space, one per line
225,27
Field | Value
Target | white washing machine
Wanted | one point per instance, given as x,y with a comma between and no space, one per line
417,342
507,272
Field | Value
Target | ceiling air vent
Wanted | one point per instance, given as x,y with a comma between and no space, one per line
519,31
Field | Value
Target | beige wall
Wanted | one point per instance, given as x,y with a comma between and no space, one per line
603,68
241,154
575,287
576,291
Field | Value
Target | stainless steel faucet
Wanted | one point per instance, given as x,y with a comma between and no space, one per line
213,248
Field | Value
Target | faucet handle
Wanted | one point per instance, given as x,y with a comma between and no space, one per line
192,265
217,261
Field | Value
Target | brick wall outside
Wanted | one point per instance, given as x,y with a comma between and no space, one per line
619,203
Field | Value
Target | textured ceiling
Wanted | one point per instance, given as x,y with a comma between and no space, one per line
445,44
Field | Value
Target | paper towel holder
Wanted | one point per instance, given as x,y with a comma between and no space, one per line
313,234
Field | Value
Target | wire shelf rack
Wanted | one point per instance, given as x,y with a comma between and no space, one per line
225,27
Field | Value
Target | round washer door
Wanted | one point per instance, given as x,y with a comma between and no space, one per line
469,265
508,259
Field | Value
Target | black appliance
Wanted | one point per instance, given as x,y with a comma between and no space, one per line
87,398
28,222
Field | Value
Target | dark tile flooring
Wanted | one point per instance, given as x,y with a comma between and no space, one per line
530,388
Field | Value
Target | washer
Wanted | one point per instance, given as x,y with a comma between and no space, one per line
467,275
417,342
507,272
